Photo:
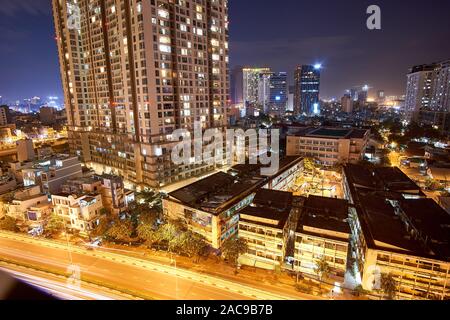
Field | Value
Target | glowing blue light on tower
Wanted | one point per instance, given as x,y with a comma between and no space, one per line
318,66
316,108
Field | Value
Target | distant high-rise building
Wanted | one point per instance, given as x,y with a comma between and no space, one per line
428,89
252,85
347,104
278,93
236,84
307,89
135,71
4,115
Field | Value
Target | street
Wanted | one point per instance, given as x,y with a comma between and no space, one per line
133,276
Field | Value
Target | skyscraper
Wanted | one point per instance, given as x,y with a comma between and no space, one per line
428,88
278,96
236,84
252,87
133,72
307,89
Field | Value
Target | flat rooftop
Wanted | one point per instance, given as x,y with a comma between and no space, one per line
211,194
219,191
329,133
386,230
383,179
324,213
269,208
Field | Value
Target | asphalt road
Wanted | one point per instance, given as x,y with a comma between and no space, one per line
133,275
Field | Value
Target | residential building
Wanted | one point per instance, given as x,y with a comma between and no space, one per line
25,150
251,84
17,202
7,183
47,115
210,206
307,89
397,231
265,225
79,212
330,146
3,116
59,172
428,89
347,104
323,232
173,56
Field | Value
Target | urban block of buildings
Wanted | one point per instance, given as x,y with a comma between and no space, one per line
329,146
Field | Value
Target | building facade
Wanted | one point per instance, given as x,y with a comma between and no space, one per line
428,89
133,72
278,94
307,90
330,146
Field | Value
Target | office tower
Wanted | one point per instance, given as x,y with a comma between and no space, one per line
347,104
428,89
133,72
363,94
307,89
291,96
236,84
251,88
264,91
278,96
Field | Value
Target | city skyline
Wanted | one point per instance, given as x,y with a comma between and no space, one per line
348,48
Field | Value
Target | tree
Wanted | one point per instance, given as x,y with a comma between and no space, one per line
169,233
146,231
8,223
322,269
102,228
233,248
193,245
388,285
121,230
55,225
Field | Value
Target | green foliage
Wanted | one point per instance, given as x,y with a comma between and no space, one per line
8,223
322,269
55,225
233,248
121,230
102,227
193,245
388,285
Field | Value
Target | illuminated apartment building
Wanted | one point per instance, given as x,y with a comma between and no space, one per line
322,232
265,225
330,146
428,89
133,72
396,230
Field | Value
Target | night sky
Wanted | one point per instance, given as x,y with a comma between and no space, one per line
275,33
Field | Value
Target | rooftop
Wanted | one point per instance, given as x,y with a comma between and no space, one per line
382,179
329,133
217,192
213,193
324,213
269,208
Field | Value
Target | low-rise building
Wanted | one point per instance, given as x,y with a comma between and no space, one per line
210,206
62,169
397,231
265,225
7,183
330,146
79,212
322,232
17,202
